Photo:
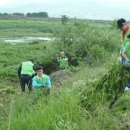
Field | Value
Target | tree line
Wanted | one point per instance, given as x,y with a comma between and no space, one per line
34,14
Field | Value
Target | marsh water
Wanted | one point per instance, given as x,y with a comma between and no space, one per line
15,41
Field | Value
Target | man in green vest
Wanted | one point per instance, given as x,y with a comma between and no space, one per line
63,60
25,74
41,82
125,28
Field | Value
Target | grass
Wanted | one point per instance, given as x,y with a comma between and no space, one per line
16,54
59,111
62,109
21,28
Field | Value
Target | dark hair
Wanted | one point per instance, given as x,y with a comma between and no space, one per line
38,68
120,22
128,36
30,59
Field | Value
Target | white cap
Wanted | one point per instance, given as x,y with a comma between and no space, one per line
62,52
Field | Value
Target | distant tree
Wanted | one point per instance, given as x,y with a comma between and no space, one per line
18,14
64,19
28,15
34,14
38,15
43,14
6,14
1,14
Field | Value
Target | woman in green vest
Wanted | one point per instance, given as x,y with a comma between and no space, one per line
41,82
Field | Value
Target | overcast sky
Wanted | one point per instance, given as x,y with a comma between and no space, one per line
88,9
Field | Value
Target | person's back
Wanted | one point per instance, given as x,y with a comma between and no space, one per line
25,73
27,68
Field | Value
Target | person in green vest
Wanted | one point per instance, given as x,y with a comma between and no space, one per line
25,73
125,28
41,82
63,61
126,50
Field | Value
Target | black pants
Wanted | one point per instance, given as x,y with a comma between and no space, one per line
26,79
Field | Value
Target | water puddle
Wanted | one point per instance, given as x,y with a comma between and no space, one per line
15,41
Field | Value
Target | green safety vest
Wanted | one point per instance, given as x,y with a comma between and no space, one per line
43,81
40,91
127,49
27,68
125,39
63,63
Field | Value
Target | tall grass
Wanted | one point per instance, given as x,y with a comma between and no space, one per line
62,109
55,112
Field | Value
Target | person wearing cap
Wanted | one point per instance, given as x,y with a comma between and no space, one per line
125,28
25,73
41,82
125,49
63,61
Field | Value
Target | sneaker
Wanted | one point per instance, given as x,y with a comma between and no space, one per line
126,88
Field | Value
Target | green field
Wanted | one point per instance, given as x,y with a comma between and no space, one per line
93,47
20,28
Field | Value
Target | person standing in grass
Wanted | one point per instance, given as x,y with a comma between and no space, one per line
63,61
25,74
124,52
125,28
125,49
41,82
